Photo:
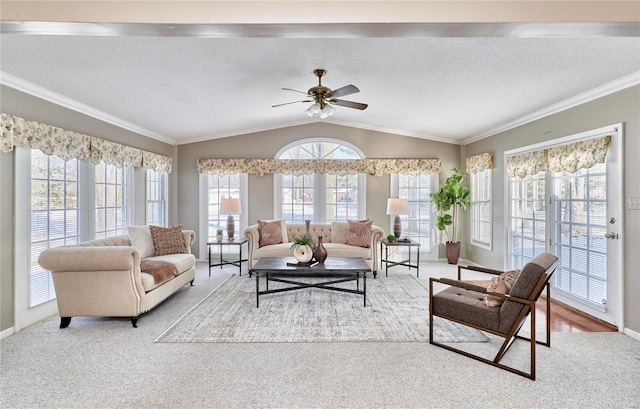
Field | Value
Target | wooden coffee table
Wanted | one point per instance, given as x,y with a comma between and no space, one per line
335,269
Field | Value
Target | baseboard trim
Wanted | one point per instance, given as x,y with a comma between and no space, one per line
633,334
7,332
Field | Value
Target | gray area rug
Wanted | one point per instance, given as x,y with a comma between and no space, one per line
397,311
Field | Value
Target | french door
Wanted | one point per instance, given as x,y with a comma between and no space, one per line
575,216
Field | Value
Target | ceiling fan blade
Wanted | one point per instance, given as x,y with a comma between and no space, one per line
288,103
341,92
295,90
348,104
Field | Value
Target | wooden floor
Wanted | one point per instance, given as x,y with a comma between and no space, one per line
567,319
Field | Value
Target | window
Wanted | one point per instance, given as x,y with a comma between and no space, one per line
418,224
68,202
528,218
219,187
156,211
320,198
110,194
54,216
480,210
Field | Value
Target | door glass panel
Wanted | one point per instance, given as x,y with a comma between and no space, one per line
580,226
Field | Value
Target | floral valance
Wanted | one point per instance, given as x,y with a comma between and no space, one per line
67,145
570,157
262,167
578,155
480,162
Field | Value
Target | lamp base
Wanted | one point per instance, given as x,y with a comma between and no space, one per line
397,227
231,227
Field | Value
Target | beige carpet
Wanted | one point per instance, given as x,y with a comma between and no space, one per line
397,311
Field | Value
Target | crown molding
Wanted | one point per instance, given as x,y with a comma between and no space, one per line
55,98
599,92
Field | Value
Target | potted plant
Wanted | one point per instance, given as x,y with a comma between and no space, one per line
219,235
449,200
391,238
303,248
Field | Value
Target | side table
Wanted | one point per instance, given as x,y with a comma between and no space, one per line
223,262
384,257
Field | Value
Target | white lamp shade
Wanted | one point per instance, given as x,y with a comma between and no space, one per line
397,206
230,206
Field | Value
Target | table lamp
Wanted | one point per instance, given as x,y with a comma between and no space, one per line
230,207
397,207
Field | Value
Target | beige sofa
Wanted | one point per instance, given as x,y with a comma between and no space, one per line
103,278
335,248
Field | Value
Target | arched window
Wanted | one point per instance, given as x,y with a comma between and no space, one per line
319,198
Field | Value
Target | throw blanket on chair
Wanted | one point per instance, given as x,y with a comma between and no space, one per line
160,270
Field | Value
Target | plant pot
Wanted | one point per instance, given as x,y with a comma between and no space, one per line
303,254
219,238
453,252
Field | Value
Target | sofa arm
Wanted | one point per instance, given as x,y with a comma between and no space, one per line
377,233
189,238
101,258
252,234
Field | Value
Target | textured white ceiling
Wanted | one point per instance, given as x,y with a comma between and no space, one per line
184,89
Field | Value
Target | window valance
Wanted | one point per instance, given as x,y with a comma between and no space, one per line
480,162
261,167
569,157
51,140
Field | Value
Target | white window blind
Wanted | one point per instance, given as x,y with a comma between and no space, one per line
110,203
156,209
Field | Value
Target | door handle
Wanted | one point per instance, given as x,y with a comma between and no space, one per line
611,235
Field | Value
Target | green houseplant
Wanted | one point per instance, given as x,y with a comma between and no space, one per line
452,197
303,248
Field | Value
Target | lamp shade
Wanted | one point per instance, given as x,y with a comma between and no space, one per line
397,206
230,206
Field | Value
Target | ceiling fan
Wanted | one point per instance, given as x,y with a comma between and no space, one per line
324,98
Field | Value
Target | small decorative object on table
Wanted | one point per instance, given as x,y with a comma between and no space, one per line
303,248
320,253
391,238
219,236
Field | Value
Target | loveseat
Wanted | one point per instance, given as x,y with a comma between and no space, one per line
103,277
334,239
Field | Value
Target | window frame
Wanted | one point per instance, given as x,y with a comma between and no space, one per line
319,186
160,181
475,213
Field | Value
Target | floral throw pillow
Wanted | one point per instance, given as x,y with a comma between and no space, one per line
269,232
501,284
359,233
168,240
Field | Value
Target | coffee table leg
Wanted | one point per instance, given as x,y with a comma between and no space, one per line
364,287
257,290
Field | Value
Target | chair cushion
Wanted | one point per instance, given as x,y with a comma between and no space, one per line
466,306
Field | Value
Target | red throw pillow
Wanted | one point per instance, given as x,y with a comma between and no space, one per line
359,233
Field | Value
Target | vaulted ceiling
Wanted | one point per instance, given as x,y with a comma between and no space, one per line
448,82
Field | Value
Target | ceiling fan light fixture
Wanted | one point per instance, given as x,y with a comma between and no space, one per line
327,111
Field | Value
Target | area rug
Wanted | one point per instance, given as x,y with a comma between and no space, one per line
397,311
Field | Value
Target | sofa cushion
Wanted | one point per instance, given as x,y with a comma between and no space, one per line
269,232
168,240
339,232
359,233
274,250
140,238
500,284
345,250
160,270
183,262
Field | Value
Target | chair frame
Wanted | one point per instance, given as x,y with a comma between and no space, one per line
530,308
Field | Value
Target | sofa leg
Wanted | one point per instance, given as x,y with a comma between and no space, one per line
134,322
64,322
191,282
375,274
